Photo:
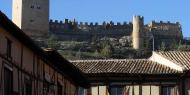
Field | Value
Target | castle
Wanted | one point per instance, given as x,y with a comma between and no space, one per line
142,34
33,18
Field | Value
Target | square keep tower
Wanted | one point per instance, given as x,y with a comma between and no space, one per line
32,16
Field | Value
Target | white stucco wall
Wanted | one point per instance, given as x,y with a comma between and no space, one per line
161,60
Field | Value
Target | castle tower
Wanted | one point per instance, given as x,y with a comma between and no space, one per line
138,32
32,16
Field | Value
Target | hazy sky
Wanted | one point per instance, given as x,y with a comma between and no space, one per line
116,10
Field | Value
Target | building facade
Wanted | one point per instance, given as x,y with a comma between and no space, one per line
26,69
164,73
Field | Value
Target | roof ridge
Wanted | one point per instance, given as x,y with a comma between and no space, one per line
98,60
172,51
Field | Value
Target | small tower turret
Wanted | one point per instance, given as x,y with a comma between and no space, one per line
138,32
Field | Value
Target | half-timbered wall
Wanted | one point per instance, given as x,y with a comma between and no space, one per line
31,73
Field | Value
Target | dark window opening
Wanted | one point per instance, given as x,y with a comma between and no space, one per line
8,82
59,89
45,87
82,91
32,6
31,20
38,7
117,90
168,90
28,87
9,47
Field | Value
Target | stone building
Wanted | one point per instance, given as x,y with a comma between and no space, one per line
161,32
164,73
165,32
26,69
138,32
32,16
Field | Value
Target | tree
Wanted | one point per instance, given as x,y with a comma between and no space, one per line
52,42
78,54
181,47
173,46
96,53
107,51
162,47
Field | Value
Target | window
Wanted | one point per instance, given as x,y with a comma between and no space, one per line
117,90
31,20
59,89
134,90
32,6
28,87
82,91
9,47
38,7
169,90
124,90
166,91
45,87
8,82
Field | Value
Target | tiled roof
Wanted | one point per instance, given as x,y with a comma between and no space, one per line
133,66
181,58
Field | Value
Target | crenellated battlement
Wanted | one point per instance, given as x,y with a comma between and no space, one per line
89,23
165,27
73,24
59,22
165,22
137,17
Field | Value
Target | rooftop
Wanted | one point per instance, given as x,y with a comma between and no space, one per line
181,58
131,66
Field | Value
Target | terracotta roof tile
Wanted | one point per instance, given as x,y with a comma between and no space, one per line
133,66
178,57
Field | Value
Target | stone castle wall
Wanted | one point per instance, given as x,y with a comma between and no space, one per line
85,26
166,29
72,30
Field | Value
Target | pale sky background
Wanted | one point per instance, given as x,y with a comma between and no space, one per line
116,10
